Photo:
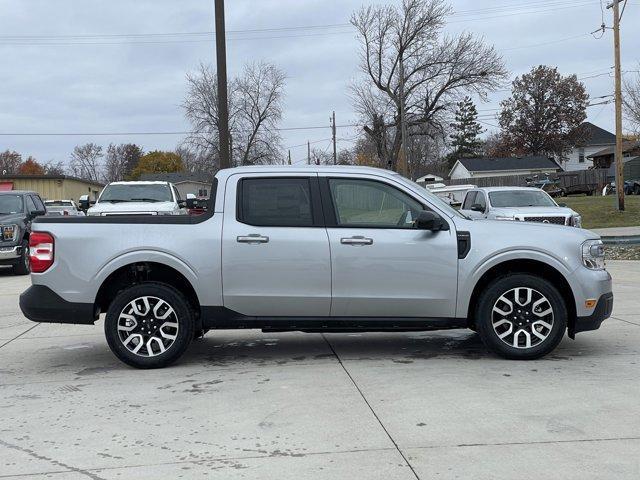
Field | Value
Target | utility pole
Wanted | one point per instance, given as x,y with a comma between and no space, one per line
289,157
618,97
308,152
223,105
403,160
333,130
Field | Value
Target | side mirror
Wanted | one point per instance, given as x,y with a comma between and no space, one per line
562,204
428,220
476,207
84,203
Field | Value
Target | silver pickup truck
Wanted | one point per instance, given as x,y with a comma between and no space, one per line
316,249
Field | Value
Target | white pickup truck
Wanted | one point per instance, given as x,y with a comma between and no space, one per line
316,249
136,198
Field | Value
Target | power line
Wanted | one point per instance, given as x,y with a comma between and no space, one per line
116,134
248,34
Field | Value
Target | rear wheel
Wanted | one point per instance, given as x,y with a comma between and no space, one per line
149,325
23,267
521,316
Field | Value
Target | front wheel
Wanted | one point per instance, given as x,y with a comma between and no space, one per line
149,325
521,317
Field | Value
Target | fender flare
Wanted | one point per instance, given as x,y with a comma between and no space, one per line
469,281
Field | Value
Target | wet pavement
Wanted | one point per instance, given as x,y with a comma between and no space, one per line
243,404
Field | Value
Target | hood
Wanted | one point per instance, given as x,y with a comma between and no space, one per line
131,207
12,218
534,211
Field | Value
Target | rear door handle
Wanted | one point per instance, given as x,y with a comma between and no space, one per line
357,241
252,238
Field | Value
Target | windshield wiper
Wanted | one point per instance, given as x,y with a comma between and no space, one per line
115,200
153,200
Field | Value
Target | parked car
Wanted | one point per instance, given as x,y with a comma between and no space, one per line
17,211
62,207
136,198
524,204
316,249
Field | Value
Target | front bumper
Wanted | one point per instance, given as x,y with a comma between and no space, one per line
601,312
10,255
41,304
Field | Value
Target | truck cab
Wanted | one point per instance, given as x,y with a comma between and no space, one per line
317,249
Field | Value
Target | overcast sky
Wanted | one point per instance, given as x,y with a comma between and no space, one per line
90,66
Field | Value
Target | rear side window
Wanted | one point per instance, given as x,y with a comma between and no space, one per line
275,202
469,200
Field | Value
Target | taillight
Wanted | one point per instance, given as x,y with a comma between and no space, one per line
40,251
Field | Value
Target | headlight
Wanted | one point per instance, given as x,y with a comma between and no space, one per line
576,221
505,217
9,232
593,254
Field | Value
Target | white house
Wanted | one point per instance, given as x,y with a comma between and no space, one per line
501,167
596,140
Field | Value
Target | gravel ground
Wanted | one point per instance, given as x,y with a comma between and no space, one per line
623,252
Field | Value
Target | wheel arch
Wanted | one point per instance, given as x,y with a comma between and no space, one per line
531,267
136,273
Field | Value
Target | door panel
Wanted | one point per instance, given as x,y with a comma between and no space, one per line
269,269
384,267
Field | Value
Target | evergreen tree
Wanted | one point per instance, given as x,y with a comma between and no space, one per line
466,129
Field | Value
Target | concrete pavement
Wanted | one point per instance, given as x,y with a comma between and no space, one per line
244,404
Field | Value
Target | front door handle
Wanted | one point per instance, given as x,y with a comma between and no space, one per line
357,241
252,238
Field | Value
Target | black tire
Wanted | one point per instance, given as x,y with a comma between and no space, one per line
23,267
522,320
182,315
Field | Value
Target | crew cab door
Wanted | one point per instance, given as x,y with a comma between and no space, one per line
275,250
381,265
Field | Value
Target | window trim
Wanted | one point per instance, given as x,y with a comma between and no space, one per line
314,191
329,208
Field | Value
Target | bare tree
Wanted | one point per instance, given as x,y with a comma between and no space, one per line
54,168
631,100
255,109
85,161
197,162
438,70
120,161
9,162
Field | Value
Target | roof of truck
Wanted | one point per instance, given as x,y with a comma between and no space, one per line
305,169
501,189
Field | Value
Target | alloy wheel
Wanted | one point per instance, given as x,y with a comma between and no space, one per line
522,317
147,326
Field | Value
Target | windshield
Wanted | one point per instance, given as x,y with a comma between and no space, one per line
136,192
521,198
10,204
58,203
434,199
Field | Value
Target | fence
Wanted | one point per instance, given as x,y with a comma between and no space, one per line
580,180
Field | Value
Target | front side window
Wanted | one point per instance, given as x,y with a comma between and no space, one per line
469,200
481,201
275,202
367,203
31,206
